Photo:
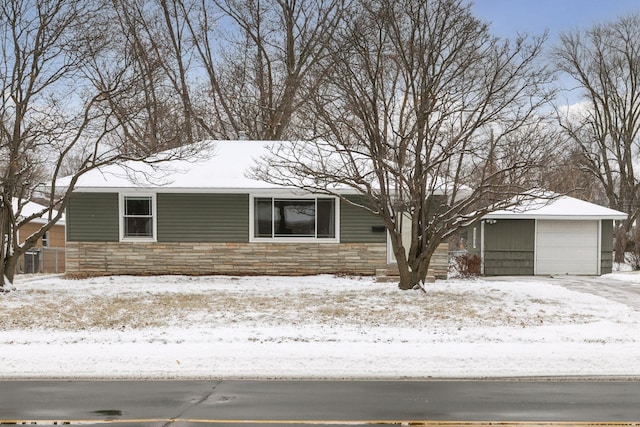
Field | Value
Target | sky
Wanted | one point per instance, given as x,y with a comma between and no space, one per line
508,17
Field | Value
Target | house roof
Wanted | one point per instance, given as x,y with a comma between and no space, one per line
557,207
224,166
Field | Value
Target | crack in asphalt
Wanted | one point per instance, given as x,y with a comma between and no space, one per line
204,398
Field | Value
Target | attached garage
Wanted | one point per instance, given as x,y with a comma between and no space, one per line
563,235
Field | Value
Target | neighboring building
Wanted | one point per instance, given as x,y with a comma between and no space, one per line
48,254
563,235
209,217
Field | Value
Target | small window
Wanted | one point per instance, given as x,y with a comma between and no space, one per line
326,218
45,240
263,218
137,217
296,218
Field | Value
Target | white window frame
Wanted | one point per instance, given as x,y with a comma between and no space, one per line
274,239
154,218
474,243
46,240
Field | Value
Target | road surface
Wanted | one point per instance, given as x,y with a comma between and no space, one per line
270,403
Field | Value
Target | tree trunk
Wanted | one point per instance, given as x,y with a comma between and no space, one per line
406,277
10,263
407,280
7,273
411,274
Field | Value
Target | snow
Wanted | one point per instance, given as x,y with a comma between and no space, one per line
311,327
29,208
223,165
562,207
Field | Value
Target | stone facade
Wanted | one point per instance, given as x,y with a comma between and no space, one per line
104,258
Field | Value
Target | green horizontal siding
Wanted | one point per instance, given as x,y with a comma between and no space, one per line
508,263
203,217
510,235
509,247
356,224
92,217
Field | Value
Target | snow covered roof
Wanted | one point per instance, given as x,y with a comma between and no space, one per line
30,208
223,167
560,207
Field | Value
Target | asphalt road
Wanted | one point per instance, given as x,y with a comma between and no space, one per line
234,403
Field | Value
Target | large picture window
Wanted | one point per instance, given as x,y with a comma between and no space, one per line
137,218
295,218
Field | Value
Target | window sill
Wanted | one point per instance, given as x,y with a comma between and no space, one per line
293,240
138,240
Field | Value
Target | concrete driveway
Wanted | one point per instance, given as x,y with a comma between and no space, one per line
620,287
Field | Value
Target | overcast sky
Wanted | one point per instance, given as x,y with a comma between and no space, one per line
507,17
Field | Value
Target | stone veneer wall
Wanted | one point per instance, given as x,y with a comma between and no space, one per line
103,258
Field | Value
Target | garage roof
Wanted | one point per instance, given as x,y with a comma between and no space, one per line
556,207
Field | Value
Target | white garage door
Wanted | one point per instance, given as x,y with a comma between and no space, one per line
567,247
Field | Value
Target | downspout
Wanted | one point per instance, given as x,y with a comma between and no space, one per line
535,247
482,247
599,246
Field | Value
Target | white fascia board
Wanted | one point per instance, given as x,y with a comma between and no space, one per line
206,190
556,217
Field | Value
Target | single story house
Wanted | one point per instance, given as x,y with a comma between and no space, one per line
551,236
209,216
48,254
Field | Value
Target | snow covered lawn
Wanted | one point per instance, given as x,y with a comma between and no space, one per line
310,327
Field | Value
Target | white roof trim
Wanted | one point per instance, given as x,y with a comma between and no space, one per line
560,208
557,217
206,190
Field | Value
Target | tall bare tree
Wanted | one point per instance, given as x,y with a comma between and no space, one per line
428,116
604,61
260,57
235,67
68,91
154,35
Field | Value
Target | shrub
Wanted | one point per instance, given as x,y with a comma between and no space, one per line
468,265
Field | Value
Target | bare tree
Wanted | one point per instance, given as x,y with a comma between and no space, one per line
604,61
428,116
568,174
260,57
154,35
68,92
234,67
